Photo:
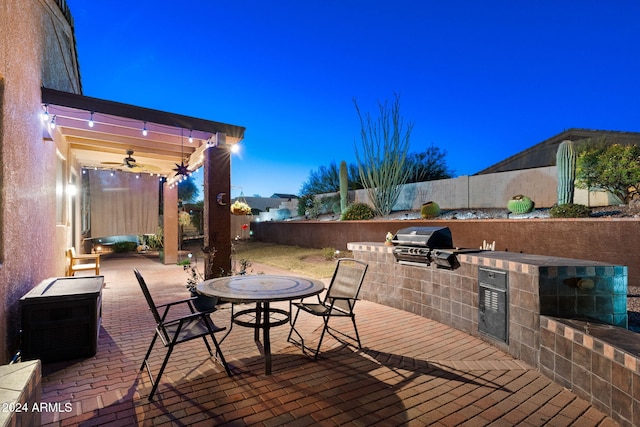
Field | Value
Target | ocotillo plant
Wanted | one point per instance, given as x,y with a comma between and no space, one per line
385,145
566,167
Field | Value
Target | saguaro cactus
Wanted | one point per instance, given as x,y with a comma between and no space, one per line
344,186
566,167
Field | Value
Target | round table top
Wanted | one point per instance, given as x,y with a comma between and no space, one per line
260,288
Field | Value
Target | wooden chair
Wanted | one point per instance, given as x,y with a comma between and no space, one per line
79,262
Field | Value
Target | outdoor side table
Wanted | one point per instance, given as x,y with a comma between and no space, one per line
61,318
262,289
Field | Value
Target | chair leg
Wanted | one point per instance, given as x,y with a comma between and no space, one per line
153,341
204,338
355,328
164,365
331,331
219,352
293,323
324,330
293,329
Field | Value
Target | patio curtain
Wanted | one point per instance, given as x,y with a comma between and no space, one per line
122,204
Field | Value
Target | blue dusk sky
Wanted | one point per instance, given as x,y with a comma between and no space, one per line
482,80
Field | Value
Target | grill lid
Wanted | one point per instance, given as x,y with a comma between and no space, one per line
430,237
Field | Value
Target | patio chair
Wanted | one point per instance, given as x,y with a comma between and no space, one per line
178,330
339,301
77,262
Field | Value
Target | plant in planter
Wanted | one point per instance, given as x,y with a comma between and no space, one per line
240,208
201,302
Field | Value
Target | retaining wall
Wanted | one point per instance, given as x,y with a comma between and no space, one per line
613,240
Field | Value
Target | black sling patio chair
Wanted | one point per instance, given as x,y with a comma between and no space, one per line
339,301
177,330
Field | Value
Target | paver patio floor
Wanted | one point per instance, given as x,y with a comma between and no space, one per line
411,371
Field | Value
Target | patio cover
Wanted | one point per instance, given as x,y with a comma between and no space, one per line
118,128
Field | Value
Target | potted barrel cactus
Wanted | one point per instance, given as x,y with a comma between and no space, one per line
430,210
520,204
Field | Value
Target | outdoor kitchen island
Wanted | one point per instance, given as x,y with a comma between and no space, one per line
540,298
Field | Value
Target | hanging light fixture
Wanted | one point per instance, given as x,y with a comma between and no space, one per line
91,123
52,125
182,171
144,129
190,136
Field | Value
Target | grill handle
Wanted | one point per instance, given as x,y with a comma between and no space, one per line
409,242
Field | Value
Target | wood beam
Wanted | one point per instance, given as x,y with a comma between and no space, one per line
217,216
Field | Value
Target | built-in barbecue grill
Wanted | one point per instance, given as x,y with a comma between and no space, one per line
424,245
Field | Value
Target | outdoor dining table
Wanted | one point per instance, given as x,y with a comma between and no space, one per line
262,290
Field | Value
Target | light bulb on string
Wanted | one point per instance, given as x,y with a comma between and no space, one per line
190,136
45,113
144,129
52,125
91,123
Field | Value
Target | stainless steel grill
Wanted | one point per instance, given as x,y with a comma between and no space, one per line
423,245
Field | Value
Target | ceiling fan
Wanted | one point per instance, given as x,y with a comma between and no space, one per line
130,164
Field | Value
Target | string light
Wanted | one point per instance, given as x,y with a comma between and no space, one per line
183,171
45,113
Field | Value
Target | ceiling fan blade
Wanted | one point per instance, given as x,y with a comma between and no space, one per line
150,168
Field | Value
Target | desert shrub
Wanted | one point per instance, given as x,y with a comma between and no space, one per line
569,210
304,202
282,214
330,204
357,211
329,253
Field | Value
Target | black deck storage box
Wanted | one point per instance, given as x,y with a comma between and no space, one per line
61,318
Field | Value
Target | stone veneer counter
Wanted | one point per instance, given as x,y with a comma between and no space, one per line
565,346
537,285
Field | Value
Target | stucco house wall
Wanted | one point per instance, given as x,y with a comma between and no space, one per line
36,49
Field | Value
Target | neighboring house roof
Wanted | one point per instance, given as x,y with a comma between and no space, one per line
544,153
283,196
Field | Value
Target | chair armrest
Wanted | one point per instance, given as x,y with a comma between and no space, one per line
167,306
88,256
193,316
346,298
182,301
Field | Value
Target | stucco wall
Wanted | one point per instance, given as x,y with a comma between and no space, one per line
31,55
489,191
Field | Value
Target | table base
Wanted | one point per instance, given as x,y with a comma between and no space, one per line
261,320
